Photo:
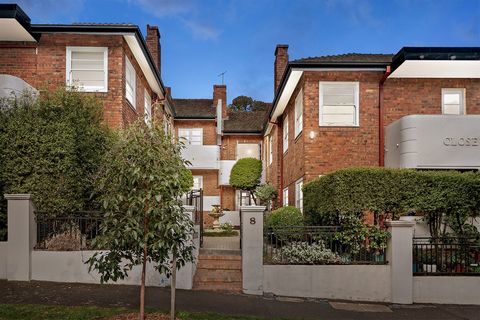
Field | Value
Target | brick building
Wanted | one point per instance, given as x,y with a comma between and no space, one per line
331,112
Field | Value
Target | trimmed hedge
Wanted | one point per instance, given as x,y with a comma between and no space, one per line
284,217
246,174
393,192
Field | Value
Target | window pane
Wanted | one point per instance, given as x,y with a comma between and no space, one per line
451,98
87,65
339,99
338,115
84,55
248,150
451,109
88,78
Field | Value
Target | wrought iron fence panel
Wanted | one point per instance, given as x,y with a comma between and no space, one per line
315,245
447,256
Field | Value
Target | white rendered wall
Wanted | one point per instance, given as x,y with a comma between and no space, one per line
345,282
3,259
232,217
447,290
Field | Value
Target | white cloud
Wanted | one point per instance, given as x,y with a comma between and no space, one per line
201,30
162,8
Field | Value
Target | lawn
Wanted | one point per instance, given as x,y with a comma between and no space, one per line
43,312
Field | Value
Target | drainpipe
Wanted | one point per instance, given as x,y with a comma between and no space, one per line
381,129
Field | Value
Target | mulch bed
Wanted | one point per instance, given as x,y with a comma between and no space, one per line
134,316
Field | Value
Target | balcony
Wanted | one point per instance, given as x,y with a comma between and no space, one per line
225,169
202,156
433,142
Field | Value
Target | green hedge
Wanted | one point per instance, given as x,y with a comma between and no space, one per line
51,147
394,192
284,217
246,174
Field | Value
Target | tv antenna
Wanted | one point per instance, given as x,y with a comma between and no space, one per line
223,76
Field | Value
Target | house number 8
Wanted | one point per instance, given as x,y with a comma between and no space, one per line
252,220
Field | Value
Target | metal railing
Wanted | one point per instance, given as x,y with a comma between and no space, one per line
315,245
195,198
446,256
67,233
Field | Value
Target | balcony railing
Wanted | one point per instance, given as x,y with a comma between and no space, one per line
202,156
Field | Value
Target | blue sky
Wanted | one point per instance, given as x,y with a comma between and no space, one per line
201,39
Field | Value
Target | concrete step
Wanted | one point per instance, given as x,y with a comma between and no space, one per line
220,252
211,275
216,264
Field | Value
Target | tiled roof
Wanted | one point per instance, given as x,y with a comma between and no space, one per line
194,108
349,57
123,24
245,122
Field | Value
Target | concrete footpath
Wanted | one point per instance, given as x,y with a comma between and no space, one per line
36,292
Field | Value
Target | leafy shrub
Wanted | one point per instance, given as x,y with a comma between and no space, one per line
186,179
51,147
284,217
305,253
227,226
246,174
444,197
266,193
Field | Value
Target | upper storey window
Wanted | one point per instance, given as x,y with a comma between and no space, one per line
299,113
339,104
130,82
453,101
192,136
87,68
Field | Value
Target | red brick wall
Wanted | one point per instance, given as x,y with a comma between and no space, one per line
44,67
209,129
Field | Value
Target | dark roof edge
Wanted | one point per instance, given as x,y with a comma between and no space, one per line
245,132
73,28
14,11
194,118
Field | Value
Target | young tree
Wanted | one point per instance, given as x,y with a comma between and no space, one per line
246,174
140,186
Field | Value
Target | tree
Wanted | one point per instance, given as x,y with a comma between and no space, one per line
246,174
140,185
244,103
51,146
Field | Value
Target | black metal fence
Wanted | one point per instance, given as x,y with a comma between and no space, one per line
446,256
195,198
315,245
67,233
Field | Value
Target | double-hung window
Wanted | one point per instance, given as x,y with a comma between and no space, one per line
191,136
130,82
453,101
285,197
339,104
87,68
197,182
298,113
285,133
248,150
299,194
147,108
270,150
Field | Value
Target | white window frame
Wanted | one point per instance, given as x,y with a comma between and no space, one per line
356,85
188,140
270,149
461,91
250,144
285,133
147,107
130,69
200,180
299,194
298,119
285,196
70,81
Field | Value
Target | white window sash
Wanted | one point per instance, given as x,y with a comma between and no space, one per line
285,197
270,150
285,133
69,70
147,108
341,114
130,82
197,182
448,106
248,150
191,136
299,194
299,113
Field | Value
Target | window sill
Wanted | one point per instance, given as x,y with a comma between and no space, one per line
338,126
297,137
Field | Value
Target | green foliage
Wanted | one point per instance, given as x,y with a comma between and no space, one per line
186,180
284,217
140,185
446,198
265,193
246,174
244,103
51,147
227,226
298,252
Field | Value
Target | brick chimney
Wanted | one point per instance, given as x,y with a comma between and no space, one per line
220,92
281,61
153,44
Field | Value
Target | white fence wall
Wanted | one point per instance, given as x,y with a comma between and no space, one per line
447,290
345,282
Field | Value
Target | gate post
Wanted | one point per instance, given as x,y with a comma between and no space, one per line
400,256
22,236
252,249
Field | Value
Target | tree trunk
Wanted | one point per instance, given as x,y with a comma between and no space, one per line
172,287
144,270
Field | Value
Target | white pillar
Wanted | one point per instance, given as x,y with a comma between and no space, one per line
186,273
252,249
190,211
399,256
22,236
